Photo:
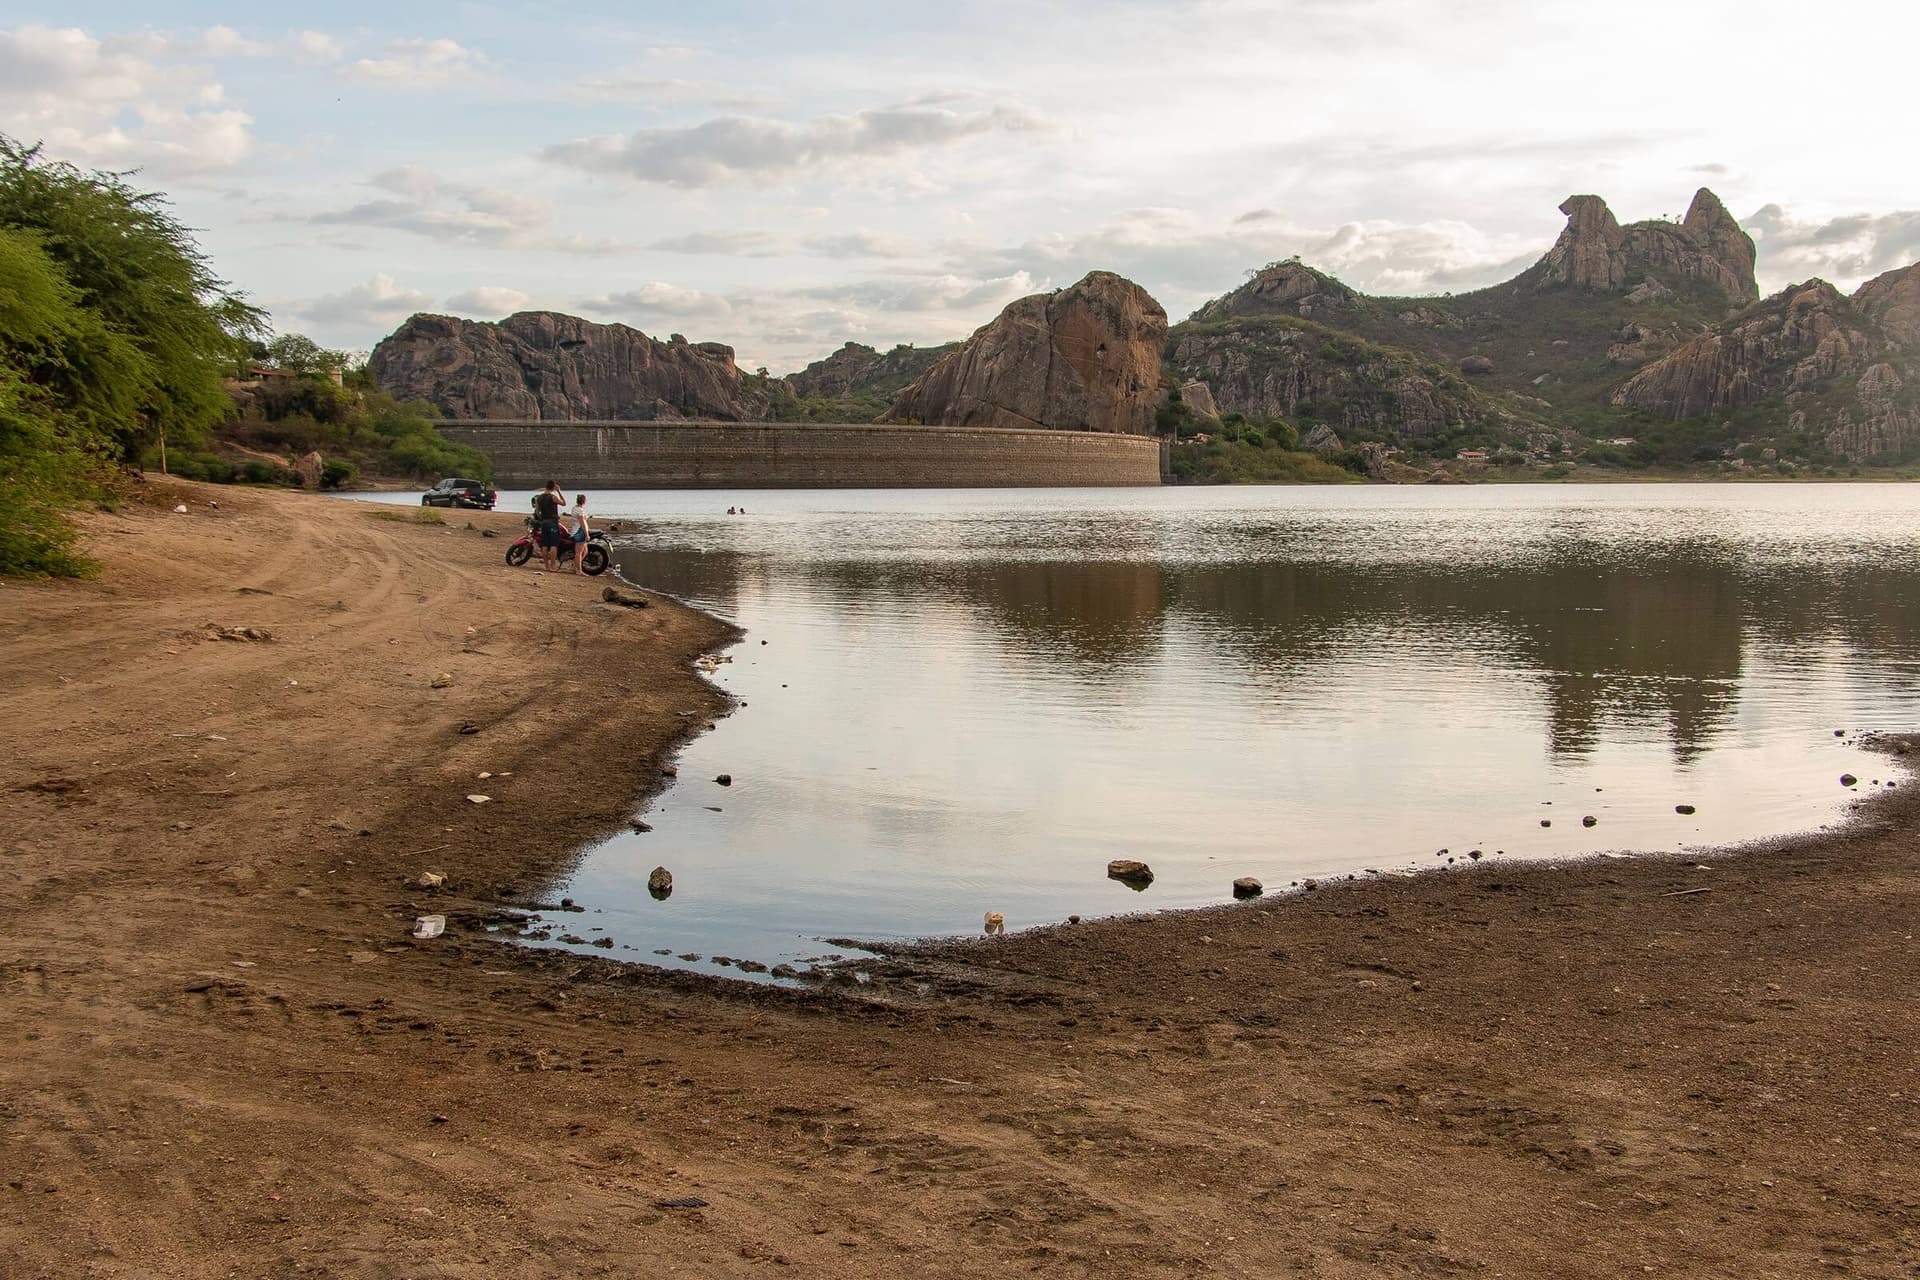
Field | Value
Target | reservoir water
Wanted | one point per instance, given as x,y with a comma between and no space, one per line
969,701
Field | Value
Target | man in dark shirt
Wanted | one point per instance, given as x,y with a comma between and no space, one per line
546,525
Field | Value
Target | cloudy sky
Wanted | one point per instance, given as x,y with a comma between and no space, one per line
787,177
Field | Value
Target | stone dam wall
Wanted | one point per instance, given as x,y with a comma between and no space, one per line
795,455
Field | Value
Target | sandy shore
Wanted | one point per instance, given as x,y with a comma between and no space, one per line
225,1057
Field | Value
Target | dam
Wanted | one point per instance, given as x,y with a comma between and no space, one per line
804,455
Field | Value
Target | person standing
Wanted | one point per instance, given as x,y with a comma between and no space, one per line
546,524
580,534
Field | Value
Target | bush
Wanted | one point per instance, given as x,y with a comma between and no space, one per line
335,474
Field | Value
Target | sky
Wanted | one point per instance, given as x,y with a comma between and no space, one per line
786,178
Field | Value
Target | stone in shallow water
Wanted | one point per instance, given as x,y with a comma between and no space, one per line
1248,887
1130,870
660,882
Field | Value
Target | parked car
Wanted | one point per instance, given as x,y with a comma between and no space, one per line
451,492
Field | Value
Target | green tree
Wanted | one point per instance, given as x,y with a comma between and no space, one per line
137,269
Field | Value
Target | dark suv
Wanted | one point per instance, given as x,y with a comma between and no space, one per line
472,494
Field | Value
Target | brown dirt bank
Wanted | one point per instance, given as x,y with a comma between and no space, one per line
223,1058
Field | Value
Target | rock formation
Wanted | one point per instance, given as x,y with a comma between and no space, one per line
1198,397
1084,358
1892,301
857,370
1280,368
544,365
1595,252
1839,367
1283,288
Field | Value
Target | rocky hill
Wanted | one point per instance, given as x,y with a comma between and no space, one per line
544,365
1085,358
857,370
1549,345
1842,372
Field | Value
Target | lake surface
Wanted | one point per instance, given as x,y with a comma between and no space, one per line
969,701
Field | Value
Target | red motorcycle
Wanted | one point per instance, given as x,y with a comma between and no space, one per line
599,551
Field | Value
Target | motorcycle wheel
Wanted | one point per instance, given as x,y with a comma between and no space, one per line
594,563
519,553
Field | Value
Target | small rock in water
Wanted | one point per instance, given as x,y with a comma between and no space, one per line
1474,854
1546,822
641,824
1683,808
1135,873
1248,887
1073,919
1848,780
1589,821
724,779
1839,733
660,882
996,922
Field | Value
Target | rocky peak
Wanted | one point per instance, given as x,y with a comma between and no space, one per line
1283,288
1082,358
837,374
1892,301
1595,252
1721,239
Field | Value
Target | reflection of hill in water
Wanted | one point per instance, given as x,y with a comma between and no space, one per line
1652,638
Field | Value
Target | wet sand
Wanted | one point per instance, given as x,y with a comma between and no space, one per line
226,1057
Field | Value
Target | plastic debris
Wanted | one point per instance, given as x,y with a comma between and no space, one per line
429,926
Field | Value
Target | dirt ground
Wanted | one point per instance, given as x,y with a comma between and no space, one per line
223,1056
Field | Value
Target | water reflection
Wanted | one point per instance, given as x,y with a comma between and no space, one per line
968,700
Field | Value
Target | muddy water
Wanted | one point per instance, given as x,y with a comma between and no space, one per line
969,701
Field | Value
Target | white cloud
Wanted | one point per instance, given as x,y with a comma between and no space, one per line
1844,251
119,102
731,148
317,46
861,244
418,63
378,303
657,301
225,42
425,204
732,244
487,300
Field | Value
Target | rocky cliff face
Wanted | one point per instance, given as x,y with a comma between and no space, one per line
1085,358
858,370
1595,252
540,364
1284,368
1836,367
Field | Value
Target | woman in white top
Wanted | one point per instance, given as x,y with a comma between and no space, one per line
580,532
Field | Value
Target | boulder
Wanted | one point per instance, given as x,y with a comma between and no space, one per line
310,469
660,882
1476,366
1892,301
542,365
1247,887
1131,870
1085,358
1198,396
1322,439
